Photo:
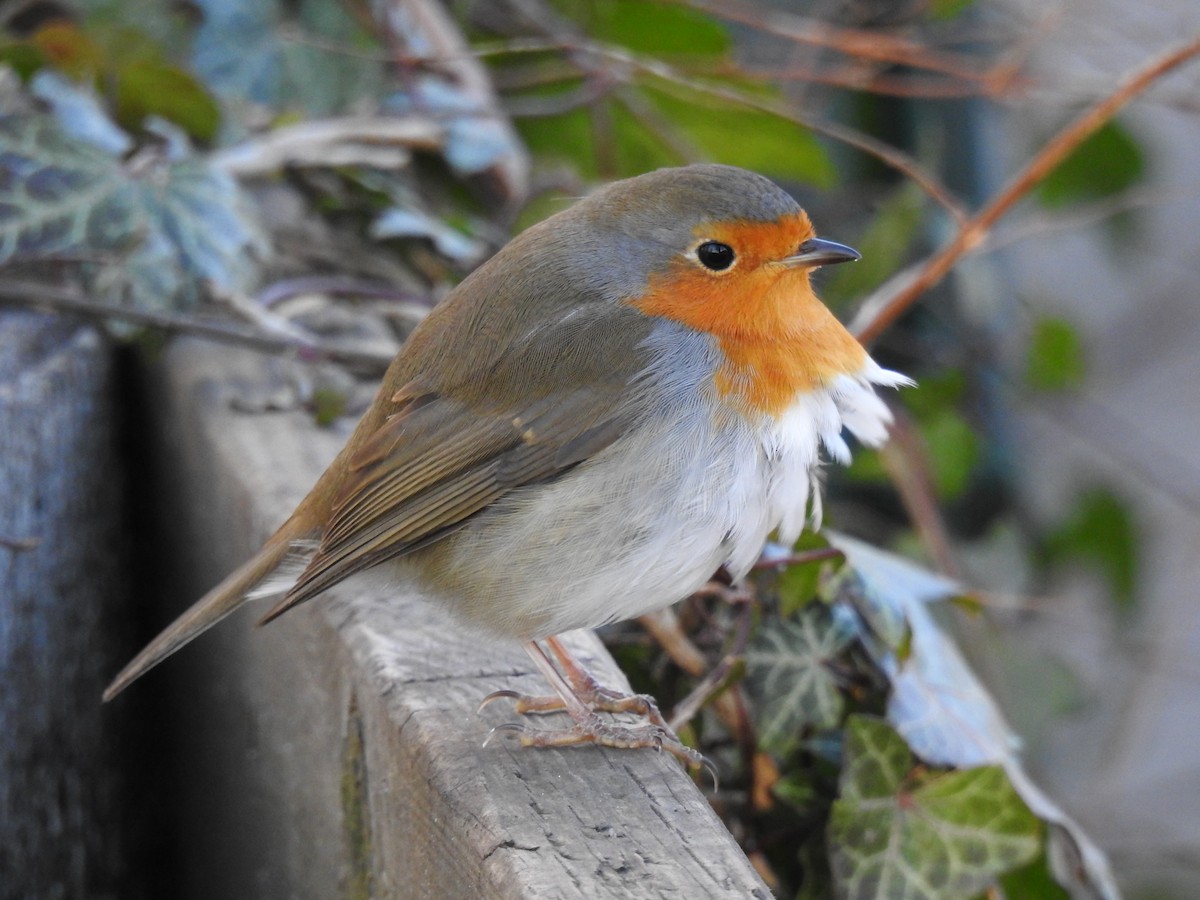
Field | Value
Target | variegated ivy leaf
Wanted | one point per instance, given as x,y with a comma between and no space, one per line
788,675
146,234
902,832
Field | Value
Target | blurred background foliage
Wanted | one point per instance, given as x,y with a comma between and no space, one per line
317,174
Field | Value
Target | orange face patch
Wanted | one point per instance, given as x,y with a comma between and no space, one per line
779,340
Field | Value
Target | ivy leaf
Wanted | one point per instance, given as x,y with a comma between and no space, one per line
57,194
898,832
787,672
939,706
157,233
937,703
1055,361
236,52
79,112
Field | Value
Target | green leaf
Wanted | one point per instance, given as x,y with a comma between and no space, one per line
576,137
1033,881
788,674
1108,162
562,138
948,9
1055,361
151,88
1101,531
638,143
937,391
953,449
746,137
797,584
648,27
23,58
897,831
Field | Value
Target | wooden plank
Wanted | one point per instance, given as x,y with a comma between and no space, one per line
338,751
62,596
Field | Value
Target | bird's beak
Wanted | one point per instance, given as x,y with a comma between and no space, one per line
820,252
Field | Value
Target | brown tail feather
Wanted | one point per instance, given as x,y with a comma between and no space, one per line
207,611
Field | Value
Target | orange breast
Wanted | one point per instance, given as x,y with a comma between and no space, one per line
779,340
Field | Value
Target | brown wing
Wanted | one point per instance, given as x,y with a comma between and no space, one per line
554,398
434,466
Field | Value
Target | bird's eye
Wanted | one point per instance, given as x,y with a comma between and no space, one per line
715,255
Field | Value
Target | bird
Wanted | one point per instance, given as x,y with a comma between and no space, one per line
628,397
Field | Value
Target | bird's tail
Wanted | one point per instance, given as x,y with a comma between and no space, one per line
269,572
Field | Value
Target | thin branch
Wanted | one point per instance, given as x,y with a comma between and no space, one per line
907,463
902,291
870,45
1085,215
798,559
858,77
887,154
582,51
56,299
381,141
666,630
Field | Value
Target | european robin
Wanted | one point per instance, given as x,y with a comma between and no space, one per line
626,398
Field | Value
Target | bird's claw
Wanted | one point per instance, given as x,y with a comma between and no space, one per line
606,734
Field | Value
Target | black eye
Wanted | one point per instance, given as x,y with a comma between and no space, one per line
714,255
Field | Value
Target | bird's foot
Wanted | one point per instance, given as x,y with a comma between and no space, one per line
595,697
594,730
583,698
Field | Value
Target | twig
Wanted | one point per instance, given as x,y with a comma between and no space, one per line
711,683
1084,215
798,559
872,45
889,155
379,141
338,285
583,52
902,291
859,77
56,299
664,627
907,463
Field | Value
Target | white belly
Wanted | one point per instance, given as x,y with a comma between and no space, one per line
648,520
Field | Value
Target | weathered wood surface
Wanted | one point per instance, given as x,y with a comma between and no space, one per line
61,589
337,752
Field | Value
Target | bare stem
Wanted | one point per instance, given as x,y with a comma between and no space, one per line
57,299
901,292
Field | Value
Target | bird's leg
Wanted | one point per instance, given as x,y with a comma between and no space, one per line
581,697
585,687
